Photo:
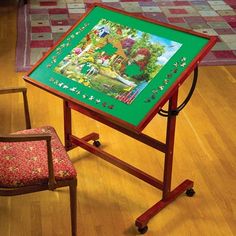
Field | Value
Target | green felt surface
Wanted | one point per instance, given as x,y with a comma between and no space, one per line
138,109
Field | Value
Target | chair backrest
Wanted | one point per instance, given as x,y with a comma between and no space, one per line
22,90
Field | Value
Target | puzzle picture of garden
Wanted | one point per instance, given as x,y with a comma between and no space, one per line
117,60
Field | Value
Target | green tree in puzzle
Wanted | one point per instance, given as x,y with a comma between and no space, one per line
133,70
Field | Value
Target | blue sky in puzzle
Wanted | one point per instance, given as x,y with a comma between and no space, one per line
171,47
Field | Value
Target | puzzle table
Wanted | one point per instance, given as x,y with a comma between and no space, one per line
121,70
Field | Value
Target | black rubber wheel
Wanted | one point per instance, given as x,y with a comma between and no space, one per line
143,230
96,143
190,192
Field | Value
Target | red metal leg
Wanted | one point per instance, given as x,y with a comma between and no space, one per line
167,148
67,126
168,196
68,129
170,136
143,220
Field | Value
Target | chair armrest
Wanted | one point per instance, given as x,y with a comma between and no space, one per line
31,138
23,90
24,137
12,90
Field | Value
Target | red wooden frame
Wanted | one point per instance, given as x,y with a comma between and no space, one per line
167,147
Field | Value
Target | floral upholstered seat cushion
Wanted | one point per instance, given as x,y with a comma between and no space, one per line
25,163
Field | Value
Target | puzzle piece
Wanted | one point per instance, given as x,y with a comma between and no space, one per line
133,70
109,49
85,68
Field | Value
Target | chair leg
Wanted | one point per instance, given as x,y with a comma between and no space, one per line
73,207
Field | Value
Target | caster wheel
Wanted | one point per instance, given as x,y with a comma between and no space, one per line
143,230
96,143
190,192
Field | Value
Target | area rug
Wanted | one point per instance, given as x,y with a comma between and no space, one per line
42,22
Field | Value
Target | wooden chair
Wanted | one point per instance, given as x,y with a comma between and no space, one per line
34,160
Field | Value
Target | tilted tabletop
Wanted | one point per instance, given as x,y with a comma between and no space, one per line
121,67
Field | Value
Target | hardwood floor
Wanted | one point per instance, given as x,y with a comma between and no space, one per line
109,200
